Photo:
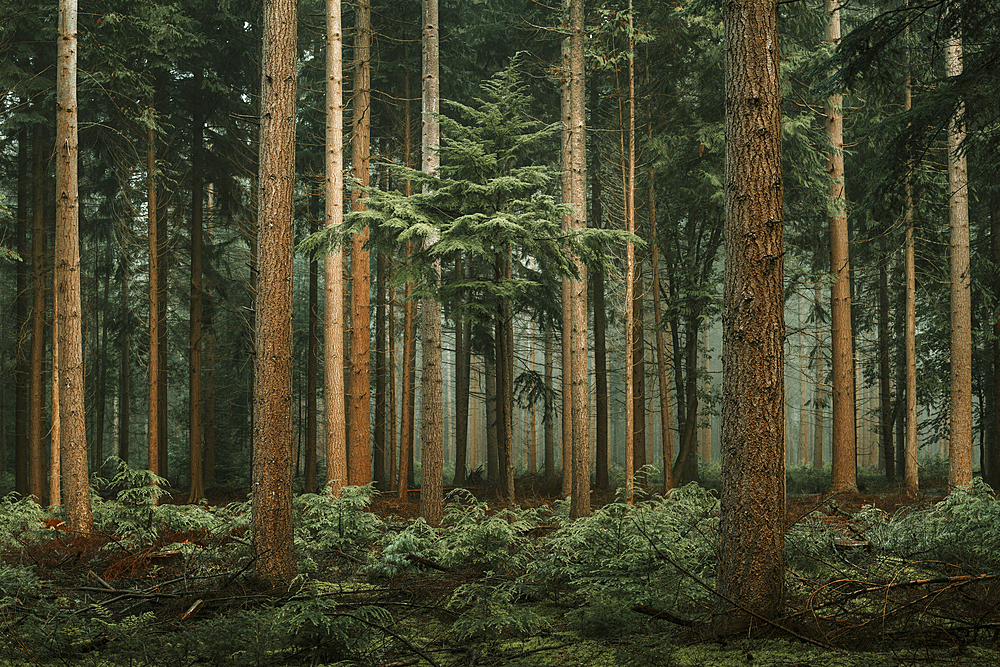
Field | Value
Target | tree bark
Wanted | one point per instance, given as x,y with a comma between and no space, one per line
359,449
21,321
271,520
960,423
431,381
72,444
335,428
845,474
580,502
751,531
463,350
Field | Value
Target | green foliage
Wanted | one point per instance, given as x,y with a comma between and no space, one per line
326,525
963,529
17,583
658,549
21,522
489,610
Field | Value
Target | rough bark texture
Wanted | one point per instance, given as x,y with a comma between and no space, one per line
272,454
155,329
580,502
845,471
73,434
751,531
666,408
565,376
431,408
960,425
21,321
359,449
333,265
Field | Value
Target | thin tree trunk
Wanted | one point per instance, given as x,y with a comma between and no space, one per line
566,438
102,373
73,433
819,396
463,348
580,503
885,395
335,428
312,364
548,420
194,339
666,416
380,367
600,319
359,450
21,322
960,419
37,472
844,442
431,407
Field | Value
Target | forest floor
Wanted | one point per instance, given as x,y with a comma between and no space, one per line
181,597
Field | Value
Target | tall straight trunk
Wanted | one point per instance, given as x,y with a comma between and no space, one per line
580,502
960,422
639,453
463,353
312,366
55,431
628,200
600,318
335,428
37,473
73,433
991,468
379,455
125,373
532,442
844,438
409,394
566,437
819,395
21,321
155,332
492,458
208,397
391,451
359,449
885,395
162,378
271,515
102,361
751,569
548,421
196,307
666,408
431,405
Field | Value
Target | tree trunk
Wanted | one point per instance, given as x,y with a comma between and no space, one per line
991,466
580,502
21,321
751,531
431,408
600,318
194,339
819,396
37,486
155,331
566,392
845,474
359,449
885,396
548,420
463,349
312,363
380,368
335,428
271,521
666,416
73,434
960,422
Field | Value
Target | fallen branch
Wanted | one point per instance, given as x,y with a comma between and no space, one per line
661,613
413,558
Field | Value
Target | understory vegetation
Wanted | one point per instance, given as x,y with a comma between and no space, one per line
871,580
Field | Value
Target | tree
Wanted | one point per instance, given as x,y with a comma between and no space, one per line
69,344
333,266
960,426
195,327
359,450
272,454
844,445
580,500
431,409
751,531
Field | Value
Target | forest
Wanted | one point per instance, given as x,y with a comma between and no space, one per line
499,332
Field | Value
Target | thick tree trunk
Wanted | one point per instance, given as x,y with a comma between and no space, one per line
335,428
271,520
845,472
68,312
960,423
751,531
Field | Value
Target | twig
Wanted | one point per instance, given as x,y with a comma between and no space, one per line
393,634
661,613
102,582
413,558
